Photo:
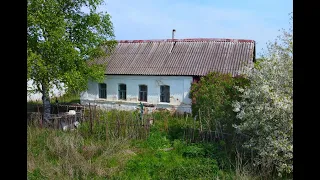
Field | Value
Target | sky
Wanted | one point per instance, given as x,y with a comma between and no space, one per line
258,20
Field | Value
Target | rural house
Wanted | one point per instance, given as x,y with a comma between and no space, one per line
159,73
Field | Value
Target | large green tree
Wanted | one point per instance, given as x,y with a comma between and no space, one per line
62,40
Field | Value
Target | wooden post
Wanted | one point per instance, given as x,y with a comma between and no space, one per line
118,126
90,116
75,119
107,128
40,117
112,122
94,114
98,115
83,110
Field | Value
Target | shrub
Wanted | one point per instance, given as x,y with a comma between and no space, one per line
157,140
265,111
212,100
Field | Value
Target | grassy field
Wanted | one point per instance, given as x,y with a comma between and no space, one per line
106,152
54,154
163,154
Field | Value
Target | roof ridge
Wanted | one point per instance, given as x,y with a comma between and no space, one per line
187,40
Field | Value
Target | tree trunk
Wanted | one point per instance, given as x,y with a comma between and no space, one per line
46,104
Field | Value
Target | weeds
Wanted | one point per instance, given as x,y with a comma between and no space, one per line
54,154
110,152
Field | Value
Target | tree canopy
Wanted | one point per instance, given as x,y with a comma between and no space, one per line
62,39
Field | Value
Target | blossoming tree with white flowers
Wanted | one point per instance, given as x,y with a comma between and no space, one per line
265,112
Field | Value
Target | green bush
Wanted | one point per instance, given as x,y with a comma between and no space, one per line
212,100
157,140
197,168
193,151
179,146
169,165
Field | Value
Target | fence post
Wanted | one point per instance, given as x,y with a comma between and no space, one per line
98,114
90,116
118,125
95,113
141,113
40,116
83,111
106,128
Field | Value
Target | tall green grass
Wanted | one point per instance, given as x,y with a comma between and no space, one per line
54,154
81,154
166,158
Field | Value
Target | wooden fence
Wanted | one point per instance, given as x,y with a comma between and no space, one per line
123,124
115,123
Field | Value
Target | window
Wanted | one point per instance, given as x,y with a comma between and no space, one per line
165,94
122,91
102,90
143,93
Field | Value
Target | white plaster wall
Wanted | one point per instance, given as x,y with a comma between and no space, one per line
54,92
179,91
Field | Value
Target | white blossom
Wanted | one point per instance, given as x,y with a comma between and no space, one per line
236,107
266,108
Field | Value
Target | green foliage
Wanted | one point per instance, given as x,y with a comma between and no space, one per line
79,154
257,63
179,146
62,41
197,168
165,158
212,100
265,111
67,99
160,164
36,174
157,140
54,154
193,151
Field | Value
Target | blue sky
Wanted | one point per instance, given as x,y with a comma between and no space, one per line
259,20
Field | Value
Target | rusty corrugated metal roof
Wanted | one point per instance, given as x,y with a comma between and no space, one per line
195,57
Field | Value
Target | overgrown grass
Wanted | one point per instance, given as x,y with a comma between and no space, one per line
165,159
80,154
54,154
